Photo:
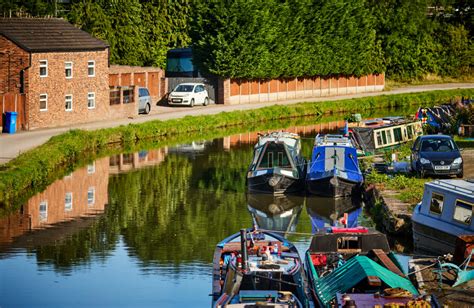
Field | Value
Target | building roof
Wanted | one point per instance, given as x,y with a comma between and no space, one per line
48,35
345,277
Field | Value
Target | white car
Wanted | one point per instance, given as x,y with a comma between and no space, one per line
189,94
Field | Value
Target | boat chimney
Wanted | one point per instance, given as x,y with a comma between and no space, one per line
243,248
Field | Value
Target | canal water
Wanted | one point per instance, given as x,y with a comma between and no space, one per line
139,229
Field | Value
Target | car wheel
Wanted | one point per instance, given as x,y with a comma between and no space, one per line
420,174
206,101
192,102
460,175
147,108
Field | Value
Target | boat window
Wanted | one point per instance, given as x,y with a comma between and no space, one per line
270,159
379,138
397,133
436,205
384,137
389,136
348,243
410,131
463,212
274,156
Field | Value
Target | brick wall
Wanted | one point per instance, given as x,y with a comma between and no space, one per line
57,86
238,91
149,77
13,60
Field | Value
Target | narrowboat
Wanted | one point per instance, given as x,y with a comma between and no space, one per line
371,136
275,212
356,262
444,213
252,265
277,166
334,169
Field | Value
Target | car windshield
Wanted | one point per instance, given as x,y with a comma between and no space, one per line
184,88
438,145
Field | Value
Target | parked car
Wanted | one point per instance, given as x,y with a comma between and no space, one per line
436,155
144,101
189,94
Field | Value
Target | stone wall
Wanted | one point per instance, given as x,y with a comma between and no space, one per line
57,86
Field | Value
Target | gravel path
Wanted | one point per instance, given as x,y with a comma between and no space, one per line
12,145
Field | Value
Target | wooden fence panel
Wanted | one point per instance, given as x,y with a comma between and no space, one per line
14,102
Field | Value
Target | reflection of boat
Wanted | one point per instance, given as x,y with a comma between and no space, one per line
334,170
377,134
353,260
327,212
249,264
278,213
277,166
193,149
444,213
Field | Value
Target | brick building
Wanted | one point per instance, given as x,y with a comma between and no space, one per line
60,70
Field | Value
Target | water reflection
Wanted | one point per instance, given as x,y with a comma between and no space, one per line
328,212
278,213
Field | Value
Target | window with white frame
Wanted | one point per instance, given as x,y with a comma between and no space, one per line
43,211
91,168
91,196
43,68
43,102
91,100
68,202
68,102
68,69
91,68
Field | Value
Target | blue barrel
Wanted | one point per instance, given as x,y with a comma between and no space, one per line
10,122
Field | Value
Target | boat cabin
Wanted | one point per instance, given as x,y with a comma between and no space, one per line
444,213
372,135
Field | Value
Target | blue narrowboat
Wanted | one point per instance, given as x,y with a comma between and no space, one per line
277,166
444,213
334,169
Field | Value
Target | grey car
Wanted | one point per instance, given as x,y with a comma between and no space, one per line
144,101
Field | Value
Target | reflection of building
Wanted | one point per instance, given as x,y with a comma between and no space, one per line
251,138
82,193
125,162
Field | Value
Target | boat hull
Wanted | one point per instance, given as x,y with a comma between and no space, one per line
333,187
274,184
430,240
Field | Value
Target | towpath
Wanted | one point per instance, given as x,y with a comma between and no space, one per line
12,145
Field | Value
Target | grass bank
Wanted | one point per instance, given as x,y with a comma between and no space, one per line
35,169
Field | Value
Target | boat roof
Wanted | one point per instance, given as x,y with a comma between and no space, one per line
328,242
383,122
339,140
347,276
287,138
463,187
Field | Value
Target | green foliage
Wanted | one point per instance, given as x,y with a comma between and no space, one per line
271,39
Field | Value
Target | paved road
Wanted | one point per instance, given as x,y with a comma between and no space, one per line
12,145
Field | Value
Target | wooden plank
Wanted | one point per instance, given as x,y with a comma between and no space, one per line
385,260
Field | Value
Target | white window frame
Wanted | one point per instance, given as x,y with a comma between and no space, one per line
45,99
66,68
68,205
91,64
43,64
91,202
91,96
66,100
43,215
91,168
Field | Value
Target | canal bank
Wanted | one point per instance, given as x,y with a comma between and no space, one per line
36,168
391,209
